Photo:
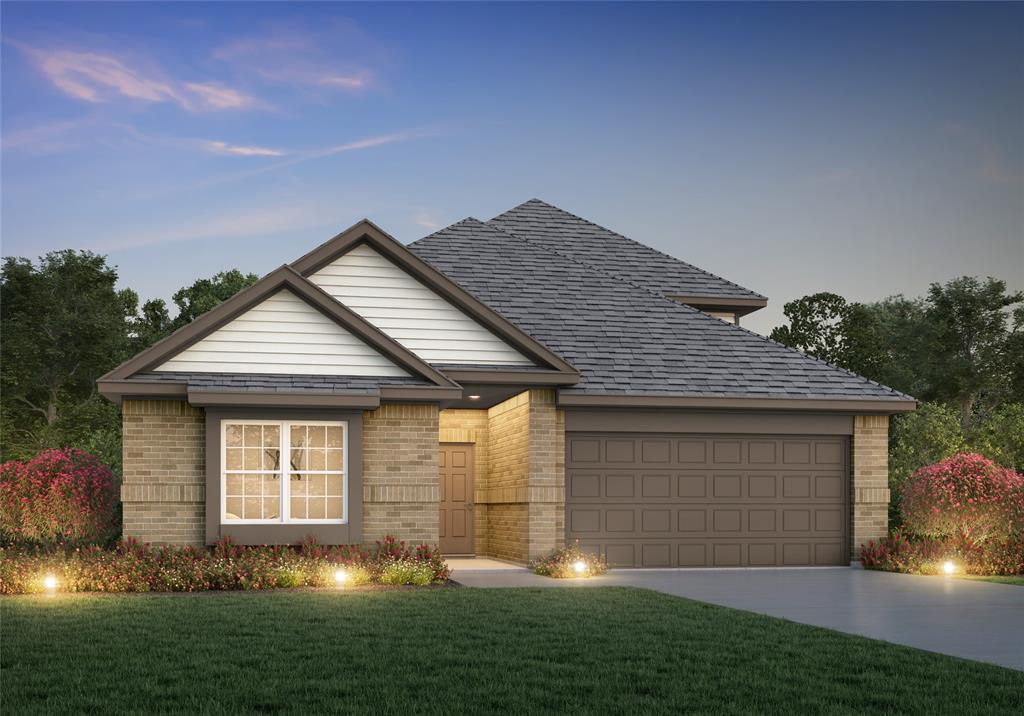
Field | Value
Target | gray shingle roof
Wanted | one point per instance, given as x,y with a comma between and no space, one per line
576,238
624,338
269,383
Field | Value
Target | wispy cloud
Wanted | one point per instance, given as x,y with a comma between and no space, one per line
427,221
97,77
45,138
993,164
239,222
338,58
241,151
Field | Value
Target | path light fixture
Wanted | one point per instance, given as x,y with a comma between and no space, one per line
340,577
580,566
50,583
948,567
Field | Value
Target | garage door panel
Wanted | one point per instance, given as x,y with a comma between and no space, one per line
753,501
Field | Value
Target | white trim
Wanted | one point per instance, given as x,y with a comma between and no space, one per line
284,435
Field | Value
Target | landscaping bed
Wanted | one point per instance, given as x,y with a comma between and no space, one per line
133,567
599,650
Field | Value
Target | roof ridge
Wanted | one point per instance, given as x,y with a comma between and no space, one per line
626,238
677,305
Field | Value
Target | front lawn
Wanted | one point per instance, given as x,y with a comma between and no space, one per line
594,650
1001,579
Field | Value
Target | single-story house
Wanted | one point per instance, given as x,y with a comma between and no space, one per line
499,388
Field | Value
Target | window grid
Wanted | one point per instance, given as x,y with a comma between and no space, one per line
309,487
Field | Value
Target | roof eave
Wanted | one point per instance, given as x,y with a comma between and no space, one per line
739,306
849,405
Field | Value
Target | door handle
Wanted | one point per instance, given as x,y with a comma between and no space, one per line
469,505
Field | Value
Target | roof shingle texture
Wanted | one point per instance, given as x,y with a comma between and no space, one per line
270,383
622,337
569,235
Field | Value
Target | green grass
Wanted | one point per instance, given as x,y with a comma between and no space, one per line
594,650
1001,579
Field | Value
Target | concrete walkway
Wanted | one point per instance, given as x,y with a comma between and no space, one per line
959,617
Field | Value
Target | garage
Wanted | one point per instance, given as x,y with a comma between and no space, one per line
717,500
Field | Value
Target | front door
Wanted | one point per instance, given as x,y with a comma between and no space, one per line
455,468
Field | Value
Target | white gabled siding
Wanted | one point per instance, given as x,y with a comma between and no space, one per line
410,312
283,335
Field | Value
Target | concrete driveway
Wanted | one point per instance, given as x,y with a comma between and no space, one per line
972,620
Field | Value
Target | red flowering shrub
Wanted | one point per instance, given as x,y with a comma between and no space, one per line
61,496
927,555
134,567
966,496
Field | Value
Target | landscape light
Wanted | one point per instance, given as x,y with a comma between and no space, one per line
580,566
948,567
50,583
340,576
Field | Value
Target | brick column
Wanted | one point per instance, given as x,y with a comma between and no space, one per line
525,493
401,488
164,487
869,486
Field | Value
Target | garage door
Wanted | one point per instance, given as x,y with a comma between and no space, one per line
654,500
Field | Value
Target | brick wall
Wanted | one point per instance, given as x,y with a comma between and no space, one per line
164,486
400,480
525,484
870,480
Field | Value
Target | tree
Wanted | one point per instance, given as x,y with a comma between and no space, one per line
972,341
153,321
63,324
195,300
827,326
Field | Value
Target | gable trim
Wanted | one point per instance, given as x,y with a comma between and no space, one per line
284,277
367,232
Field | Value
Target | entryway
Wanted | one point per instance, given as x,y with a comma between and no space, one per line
455,470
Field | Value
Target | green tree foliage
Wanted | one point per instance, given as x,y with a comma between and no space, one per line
63,324
827,326
971,341
154,322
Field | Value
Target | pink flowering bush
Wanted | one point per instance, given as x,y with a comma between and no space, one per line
61,496
134,567
927,555
966,496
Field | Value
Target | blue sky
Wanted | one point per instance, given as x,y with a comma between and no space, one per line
863,149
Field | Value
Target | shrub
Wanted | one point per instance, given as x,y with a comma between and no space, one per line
561,563
134,567
403,572
898,553
966,496
61,496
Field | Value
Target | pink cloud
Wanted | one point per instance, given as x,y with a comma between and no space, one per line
241,151
94,77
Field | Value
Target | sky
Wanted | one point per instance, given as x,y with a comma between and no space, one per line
867,149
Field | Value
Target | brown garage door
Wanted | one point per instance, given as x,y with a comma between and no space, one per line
654,500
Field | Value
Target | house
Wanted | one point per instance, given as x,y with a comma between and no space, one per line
498,388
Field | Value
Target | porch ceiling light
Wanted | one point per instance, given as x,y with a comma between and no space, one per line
473,397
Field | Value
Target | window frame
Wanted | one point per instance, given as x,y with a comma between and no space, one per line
284,435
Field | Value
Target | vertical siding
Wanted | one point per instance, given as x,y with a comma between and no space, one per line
410,312
283,335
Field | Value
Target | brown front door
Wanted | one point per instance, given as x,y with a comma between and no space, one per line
455,465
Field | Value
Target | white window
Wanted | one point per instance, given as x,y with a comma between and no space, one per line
310,485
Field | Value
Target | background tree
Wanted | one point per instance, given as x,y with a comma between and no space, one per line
64,325
827,326
972,341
